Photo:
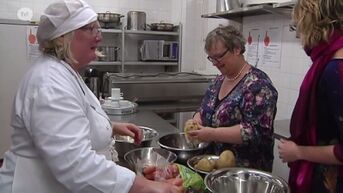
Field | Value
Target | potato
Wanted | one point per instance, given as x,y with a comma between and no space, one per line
205,164
190,125
226,159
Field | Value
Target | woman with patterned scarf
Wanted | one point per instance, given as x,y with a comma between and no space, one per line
315,150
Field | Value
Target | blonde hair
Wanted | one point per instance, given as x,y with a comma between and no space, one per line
317,19
60,48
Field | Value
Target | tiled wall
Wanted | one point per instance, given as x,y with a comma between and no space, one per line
288,76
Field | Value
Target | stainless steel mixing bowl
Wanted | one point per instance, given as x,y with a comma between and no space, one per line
182,146
124,144
148,156
244,180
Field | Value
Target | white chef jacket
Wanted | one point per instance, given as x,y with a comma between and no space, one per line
60,137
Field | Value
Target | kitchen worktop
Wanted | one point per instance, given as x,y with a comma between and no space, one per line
147,119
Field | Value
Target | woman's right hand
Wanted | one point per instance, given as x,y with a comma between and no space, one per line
143,185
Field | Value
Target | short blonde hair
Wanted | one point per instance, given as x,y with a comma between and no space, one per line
60,48
317,19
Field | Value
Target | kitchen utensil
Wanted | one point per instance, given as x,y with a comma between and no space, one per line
279,137
136,20
244,180
161,26
124,144
225,5
183,148
191,162
109,20
148,156
112,53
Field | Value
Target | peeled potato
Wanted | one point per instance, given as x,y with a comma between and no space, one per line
226,159
205,164
190,125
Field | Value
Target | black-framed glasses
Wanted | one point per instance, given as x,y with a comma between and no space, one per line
94,30
219,58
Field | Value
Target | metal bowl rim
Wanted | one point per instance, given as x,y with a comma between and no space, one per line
200,157
141,148
153,131
205,144
235,169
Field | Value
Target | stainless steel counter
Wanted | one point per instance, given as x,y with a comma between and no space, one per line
148,119
170,106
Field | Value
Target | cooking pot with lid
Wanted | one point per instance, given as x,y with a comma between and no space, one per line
109,17
161,26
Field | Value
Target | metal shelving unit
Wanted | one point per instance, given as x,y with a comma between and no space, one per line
237,14
123,34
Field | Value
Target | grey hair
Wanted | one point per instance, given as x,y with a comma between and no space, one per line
229,35
60,48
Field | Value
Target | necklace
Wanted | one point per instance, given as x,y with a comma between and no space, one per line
238,74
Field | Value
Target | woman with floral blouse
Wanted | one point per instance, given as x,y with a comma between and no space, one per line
238,109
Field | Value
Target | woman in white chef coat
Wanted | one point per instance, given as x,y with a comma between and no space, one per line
61,138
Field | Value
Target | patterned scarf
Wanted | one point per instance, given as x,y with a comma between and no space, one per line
304,118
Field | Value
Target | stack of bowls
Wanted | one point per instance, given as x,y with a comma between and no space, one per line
182,146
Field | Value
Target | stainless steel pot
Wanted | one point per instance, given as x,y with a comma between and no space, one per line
109,17
161,27
225,5
136,20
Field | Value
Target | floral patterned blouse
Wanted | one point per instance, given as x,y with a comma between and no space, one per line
252,104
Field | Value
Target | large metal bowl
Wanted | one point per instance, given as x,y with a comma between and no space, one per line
124,144
244,180
148,156
182,146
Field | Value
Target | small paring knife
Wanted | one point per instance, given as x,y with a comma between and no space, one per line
279,137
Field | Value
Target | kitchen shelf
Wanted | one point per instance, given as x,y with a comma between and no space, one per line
241,12
147,32
129,42
151,63
237,14
285,5
118,31
100,63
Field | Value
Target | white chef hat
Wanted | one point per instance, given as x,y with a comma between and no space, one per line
64,16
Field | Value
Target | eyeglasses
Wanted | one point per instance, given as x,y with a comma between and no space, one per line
94,30
219,58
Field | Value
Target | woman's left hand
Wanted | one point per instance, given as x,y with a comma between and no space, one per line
128,129
288,151
203,133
